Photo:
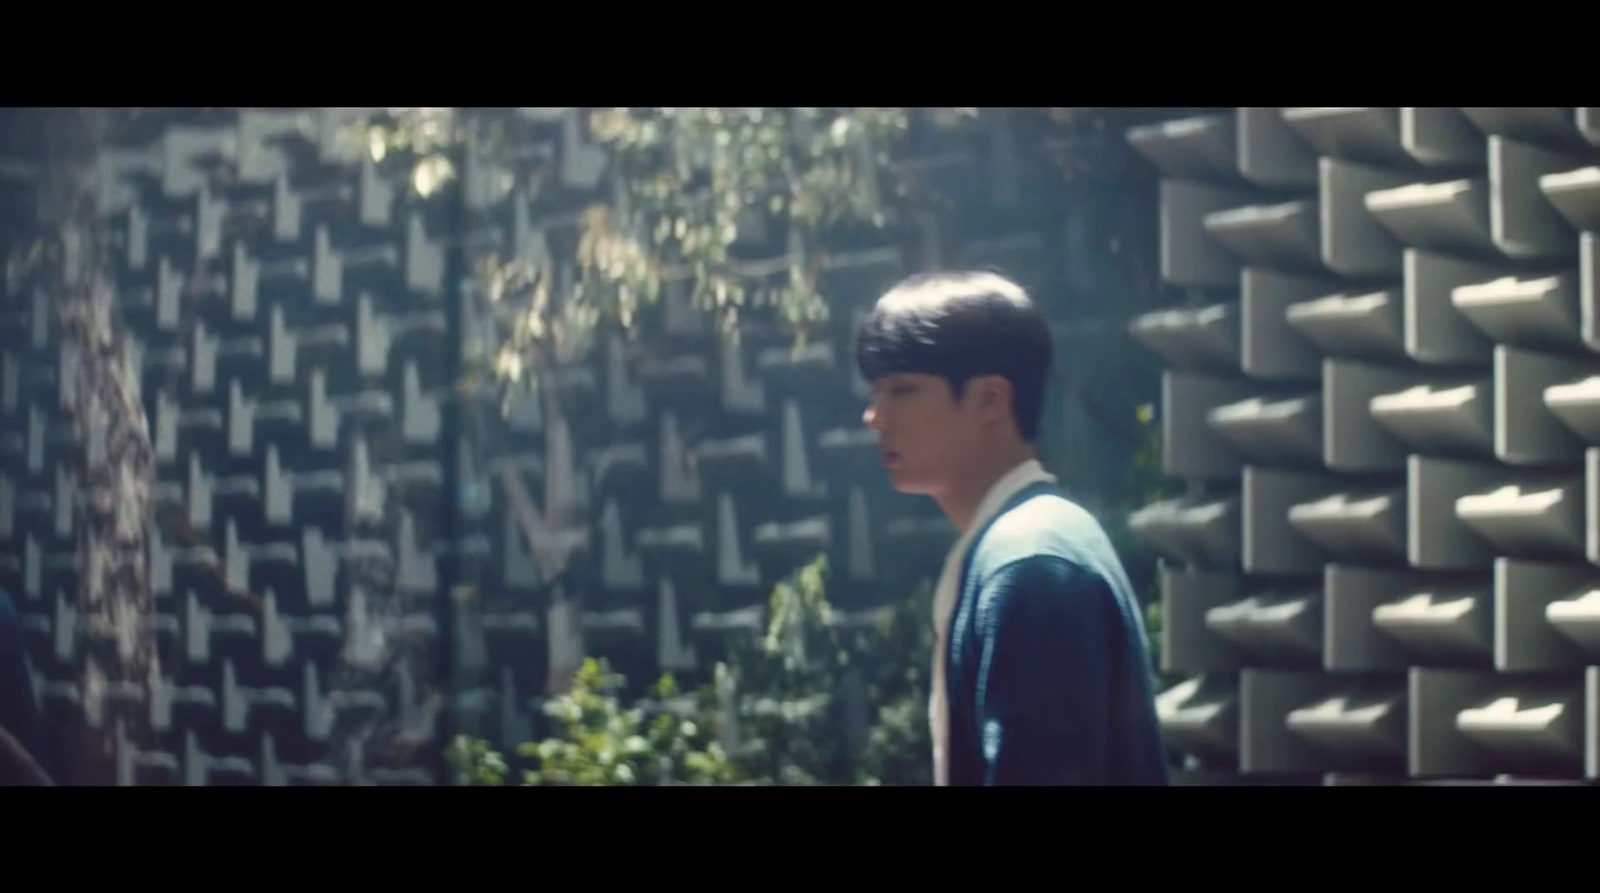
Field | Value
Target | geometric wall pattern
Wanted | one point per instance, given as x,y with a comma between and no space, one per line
282,310
342,563
1384,396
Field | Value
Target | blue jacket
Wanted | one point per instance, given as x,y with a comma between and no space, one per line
1049,676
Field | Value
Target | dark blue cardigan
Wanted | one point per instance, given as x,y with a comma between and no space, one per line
1049,676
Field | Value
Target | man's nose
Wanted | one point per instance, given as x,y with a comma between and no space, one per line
870,415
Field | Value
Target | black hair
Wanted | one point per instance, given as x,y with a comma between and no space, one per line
961,325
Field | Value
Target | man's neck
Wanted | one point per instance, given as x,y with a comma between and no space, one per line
960,502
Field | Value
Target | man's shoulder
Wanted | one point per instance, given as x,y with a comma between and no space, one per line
1044,527
1044,523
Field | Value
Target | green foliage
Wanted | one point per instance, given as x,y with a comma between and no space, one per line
783,684
780,695
1153,620
607,745
604,744
899,747
1151,482
476,762
1152,485
696,181
691,185
822,699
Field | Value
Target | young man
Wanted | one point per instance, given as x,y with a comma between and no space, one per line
1041,673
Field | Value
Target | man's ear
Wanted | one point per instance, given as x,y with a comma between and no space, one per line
991,396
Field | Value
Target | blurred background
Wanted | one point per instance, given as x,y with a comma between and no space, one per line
521,446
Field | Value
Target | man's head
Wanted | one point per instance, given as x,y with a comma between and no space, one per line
958,364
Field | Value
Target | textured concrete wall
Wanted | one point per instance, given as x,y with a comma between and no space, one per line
1381,392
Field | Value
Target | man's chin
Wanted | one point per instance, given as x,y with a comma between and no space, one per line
908,484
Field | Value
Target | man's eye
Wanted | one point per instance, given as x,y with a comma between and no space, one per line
903,390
